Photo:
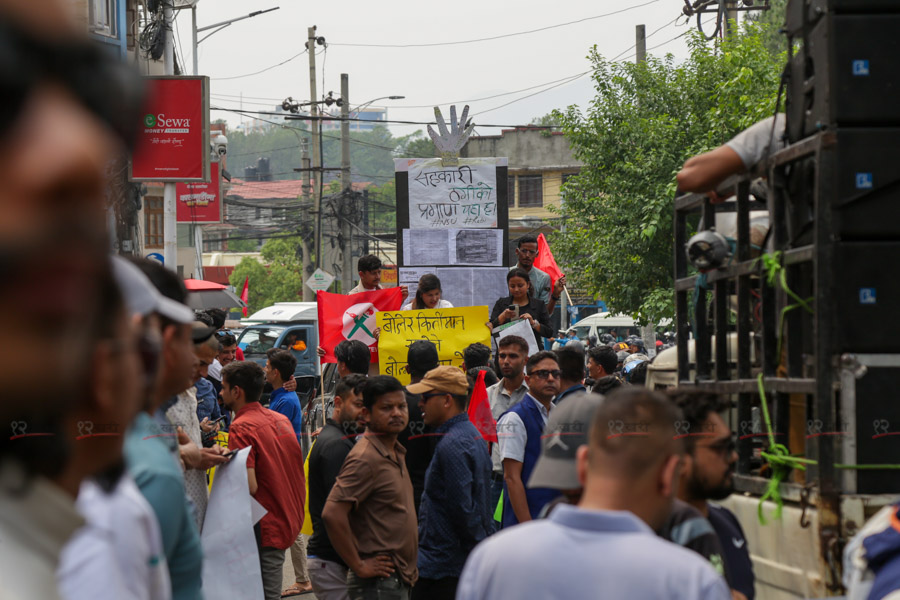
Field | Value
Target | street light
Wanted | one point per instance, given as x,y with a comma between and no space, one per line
362,106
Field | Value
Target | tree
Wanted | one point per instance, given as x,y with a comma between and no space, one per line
772,21
644,122
279,280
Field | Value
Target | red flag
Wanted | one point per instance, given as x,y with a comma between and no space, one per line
545,261
480,411
353,318
245,294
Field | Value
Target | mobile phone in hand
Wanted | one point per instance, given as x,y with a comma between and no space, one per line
515,309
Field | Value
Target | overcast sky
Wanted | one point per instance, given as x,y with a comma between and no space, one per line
427,76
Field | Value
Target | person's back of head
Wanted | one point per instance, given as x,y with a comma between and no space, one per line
282,361
637,374
634,456
476,355
246,375
490,378
355,355
605,357
218,317
421,358
571,363
605,385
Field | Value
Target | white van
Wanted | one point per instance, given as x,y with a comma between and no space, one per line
619,326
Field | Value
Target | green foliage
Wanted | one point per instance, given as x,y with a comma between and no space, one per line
279,280
644,122
771,21
416,145
242,245
383,208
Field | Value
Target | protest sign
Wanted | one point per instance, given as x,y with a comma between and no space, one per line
449,329
519,327
352,317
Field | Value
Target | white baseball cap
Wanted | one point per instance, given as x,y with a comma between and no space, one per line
142,297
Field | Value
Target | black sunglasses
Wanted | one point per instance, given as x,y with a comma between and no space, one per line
107,87
546,373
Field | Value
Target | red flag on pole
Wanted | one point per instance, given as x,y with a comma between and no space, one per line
353,318
545,261
480,411
245,294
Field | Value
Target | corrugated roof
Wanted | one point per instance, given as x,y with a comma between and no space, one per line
272,190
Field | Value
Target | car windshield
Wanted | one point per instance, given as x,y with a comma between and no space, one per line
259,340
582,331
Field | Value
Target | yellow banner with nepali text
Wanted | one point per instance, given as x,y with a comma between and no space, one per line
449,329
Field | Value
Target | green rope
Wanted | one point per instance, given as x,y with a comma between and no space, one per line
776,271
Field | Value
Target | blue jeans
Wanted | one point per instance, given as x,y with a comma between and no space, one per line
376,588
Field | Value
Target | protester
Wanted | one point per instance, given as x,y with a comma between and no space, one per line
418,438
566,431
636,372
280,365
455,514
512,354
152,451
490,378
522,304
352,356
571,368
601,363
709,475
476,355
218,316
370,514
687,527
519,433
56,148
428,294
327,571
118,553
274,468
208,412
226,355
872,558
526,252
369,269
629,483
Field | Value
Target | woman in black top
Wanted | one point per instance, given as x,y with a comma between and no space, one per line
530,308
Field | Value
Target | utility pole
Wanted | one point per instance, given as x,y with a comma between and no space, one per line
170,233
315,174
731,17
640,43
346,189
304,162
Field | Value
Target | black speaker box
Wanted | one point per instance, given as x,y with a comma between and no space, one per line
877,430
867,292
845,73
802,14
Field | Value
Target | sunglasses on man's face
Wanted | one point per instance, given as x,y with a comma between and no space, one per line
107,87
546,373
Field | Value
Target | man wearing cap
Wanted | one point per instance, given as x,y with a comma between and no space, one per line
455,514
567,430
519,433
629,482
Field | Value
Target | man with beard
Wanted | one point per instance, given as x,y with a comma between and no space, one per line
709,475
327,572
370,515
526,252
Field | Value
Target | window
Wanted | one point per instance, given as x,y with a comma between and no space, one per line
531,191
259,341
511,190
102,14
153,222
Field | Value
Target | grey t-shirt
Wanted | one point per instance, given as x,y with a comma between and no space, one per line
758,141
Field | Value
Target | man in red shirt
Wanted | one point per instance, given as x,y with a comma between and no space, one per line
274,467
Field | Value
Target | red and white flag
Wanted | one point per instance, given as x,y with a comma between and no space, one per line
353,318
480,411
245,295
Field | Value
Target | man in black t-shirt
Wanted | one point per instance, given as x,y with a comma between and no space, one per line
327,572
421,358
708,474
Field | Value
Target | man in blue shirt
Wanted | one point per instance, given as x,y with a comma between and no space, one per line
455,514
280,365
606,546
709,475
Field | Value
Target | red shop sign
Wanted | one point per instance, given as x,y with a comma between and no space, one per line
173,141
199,202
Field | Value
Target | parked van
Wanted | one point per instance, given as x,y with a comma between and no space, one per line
287,325
619,326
